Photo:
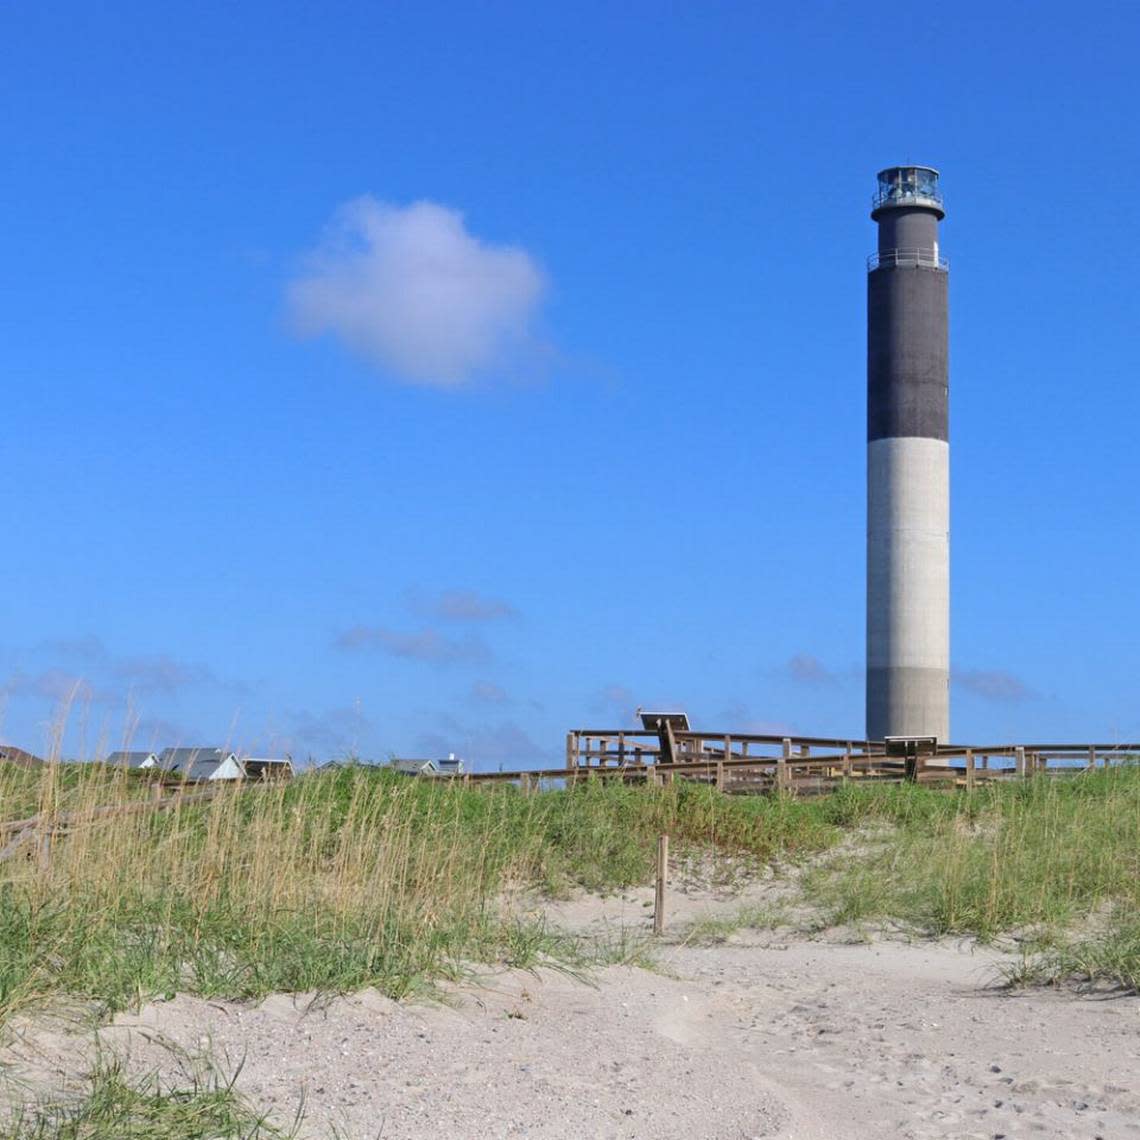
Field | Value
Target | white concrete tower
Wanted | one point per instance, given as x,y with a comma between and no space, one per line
908,462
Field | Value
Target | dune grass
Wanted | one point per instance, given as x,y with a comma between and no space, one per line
1042,854
357,876
116,1105
66,787
335,881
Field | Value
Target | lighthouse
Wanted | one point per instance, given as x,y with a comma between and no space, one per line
908,461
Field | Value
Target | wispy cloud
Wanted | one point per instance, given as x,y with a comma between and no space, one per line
157,733
86,647
486,746
739,717
329,733
422,645
617,701
462,606
56,685
487,692
160,673
993,685
411,290
103,676
809,670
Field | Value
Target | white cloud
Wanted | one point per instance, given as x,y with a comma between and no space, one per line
412,290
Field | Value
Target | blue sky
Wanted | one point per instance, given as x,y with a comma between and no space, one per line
423,376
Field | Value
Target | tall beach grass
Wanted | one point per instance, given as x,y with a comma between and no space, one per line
337,880
359,876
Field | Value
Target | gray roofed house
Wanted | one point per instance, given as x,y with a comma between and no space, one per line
452,766
414,767
133,759
201,763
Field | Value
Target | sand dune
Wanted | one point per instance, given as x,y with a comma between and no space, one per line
752,1038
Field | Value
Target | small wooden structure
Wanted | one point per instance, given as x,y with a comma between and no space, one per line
268,767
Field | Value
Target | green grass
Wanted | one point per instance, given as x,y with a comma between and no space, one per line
64,787
359,877
339,880
1044,853
1107,960
117,1106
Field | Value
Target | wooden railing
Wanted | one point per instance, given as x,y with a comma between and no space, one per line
763,762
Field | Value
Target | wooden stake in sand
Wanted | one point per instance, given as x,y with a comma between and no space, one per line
662,875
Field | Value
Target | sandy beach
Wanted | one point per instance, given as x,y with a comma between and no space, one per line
766,1033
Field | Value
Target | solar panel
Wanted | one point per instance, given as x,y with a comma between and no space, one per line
654,721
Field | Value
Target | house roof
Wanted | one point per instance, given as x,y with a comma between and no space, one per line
451,766
131,759
16,755
412,766
194,763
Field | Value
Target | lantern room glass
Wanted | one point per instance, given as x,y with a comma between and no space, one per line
908,185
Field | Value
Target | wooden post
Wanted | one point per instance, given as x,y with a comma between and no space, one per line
969,770
782,764
1019,760
1092,757
720,775
847,762
659,893
621,749
571,750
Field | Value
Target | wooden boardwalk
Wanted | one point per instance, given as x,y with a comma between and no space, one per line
750,763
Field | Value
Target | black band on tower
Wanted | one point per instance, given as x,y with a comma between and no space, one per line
907,353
